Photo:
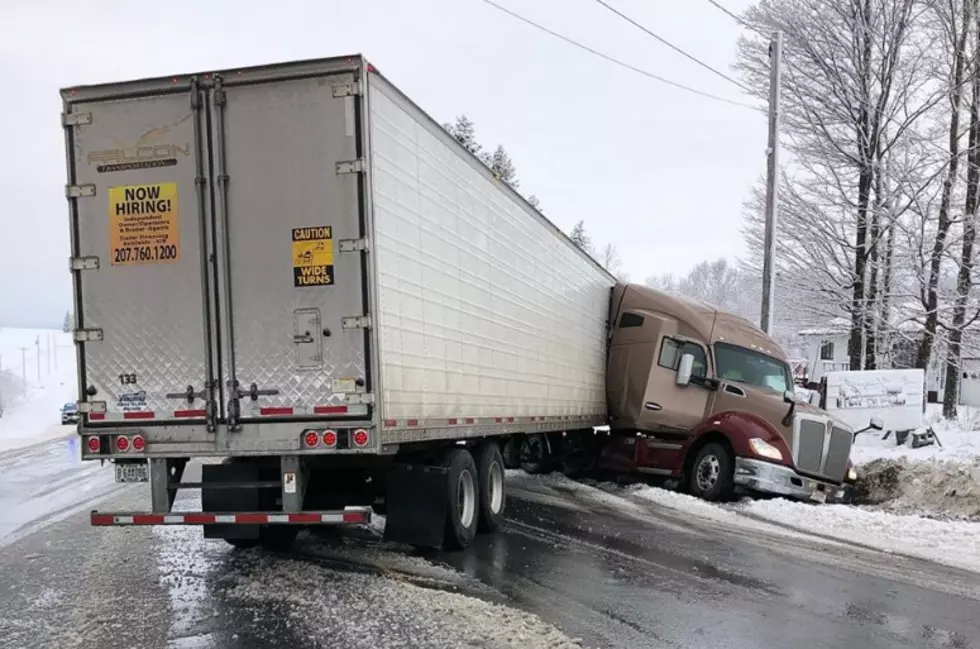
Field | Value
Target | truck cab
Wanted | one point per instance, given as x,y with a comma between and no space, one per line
706,397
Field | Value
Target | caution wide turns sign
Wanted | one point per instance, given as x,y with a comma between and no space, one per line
313,256
144,224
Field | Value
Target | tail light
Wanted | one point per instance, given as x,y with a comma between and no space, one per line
122,443
138,443
329,438
360,438
311,439
93,444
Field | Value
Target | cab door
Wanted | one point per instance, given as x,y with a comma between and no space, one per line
668,407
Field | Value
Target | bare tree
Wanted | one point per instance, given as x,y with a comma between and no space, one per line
854,89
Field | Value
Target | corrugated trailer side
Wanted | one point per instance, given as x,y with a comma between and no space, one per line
490,320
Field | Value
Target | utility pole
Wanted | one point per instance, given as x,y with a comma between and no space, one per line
772,181
48,353
37,344
23,367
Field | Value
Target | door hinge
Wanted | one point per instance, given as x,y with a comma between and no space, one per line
88,335
353,245
76,119
356,322
356,398
91,406
347,89
84,263
350,167
79,191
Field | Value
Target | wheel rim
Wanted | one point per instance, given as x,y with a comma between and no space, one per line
466,498
496,487
708,472
531,451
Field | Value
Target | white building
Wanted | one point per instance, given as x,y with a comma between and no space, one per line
824,349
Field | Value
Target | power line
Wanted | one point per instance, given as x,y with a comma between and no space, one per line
671,45
731,14
617,61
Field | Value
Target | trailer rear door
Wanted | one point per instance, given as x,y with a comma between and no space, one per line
141,290
290,227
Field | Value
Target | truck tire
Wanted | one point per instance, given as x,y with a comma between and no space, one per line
463,511
713,473
534,453
512,452
493,487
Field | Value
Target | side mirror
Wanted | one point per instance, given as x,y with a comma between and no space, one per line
789,396
877,423
685,369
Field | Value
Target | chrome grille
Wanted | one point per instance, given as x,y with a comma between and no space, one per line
810,446
822,449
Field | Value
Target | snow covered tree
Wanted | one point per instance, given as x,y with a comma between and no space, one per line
610,260
579,236
465,133
719,283
69,323
535,203
502,166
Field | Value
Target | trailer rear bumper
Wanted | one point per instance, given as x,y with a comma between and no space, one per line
346,516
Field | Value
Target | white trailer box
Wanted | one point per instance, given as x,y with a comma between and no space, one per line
894,396
257,252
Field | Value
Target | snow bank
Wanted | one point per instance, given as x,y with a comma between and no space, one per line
937,481
31,413
348,609
951,543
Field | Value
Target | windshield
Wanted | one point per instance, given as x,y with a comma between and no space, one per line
754,368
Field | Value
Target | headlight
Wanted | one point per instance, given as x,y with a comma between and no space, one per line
762,448
852,474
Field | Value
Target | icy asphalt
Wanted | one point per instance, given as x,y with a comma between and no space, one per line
567,569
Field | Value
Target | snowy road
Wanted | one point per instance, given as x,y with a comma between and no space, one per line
42,483
570,563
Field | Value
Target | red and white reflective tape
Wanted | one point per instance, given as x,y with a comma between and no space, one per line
348,516
144,415
289,411
469,421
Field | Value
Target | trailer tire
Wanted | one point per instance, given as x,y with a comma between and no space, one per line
511,452
534,453
493,487
463,511
712,474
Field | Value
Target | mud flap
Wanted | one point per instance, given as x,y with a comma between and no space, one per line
230,499
417,504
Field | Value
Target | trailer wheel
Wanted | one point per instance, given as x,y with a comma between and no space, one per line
533,452
464,500
493,486
712,475
512,452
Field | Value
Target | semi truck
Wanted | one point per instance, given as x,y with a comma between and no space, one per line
293,275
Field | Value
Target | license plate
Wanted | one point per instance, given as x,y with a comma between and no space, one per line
819,496
132,473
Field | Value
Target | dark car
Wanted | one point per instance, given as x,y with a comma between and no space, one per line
69,414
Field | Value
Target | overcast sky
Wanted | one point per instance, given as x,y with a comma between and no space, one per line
660,172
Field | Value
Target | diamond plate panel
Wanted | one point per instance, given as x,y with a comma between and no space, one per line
484,309
283,141
151,314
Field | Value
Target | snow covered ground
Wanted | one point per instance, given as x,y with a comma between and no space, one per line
952,543
31,410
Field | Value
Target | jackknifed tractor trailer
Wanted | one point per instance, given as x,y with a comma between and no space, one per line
296,276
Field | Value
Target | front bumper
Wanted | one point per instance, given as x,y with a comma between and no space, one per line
775,479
